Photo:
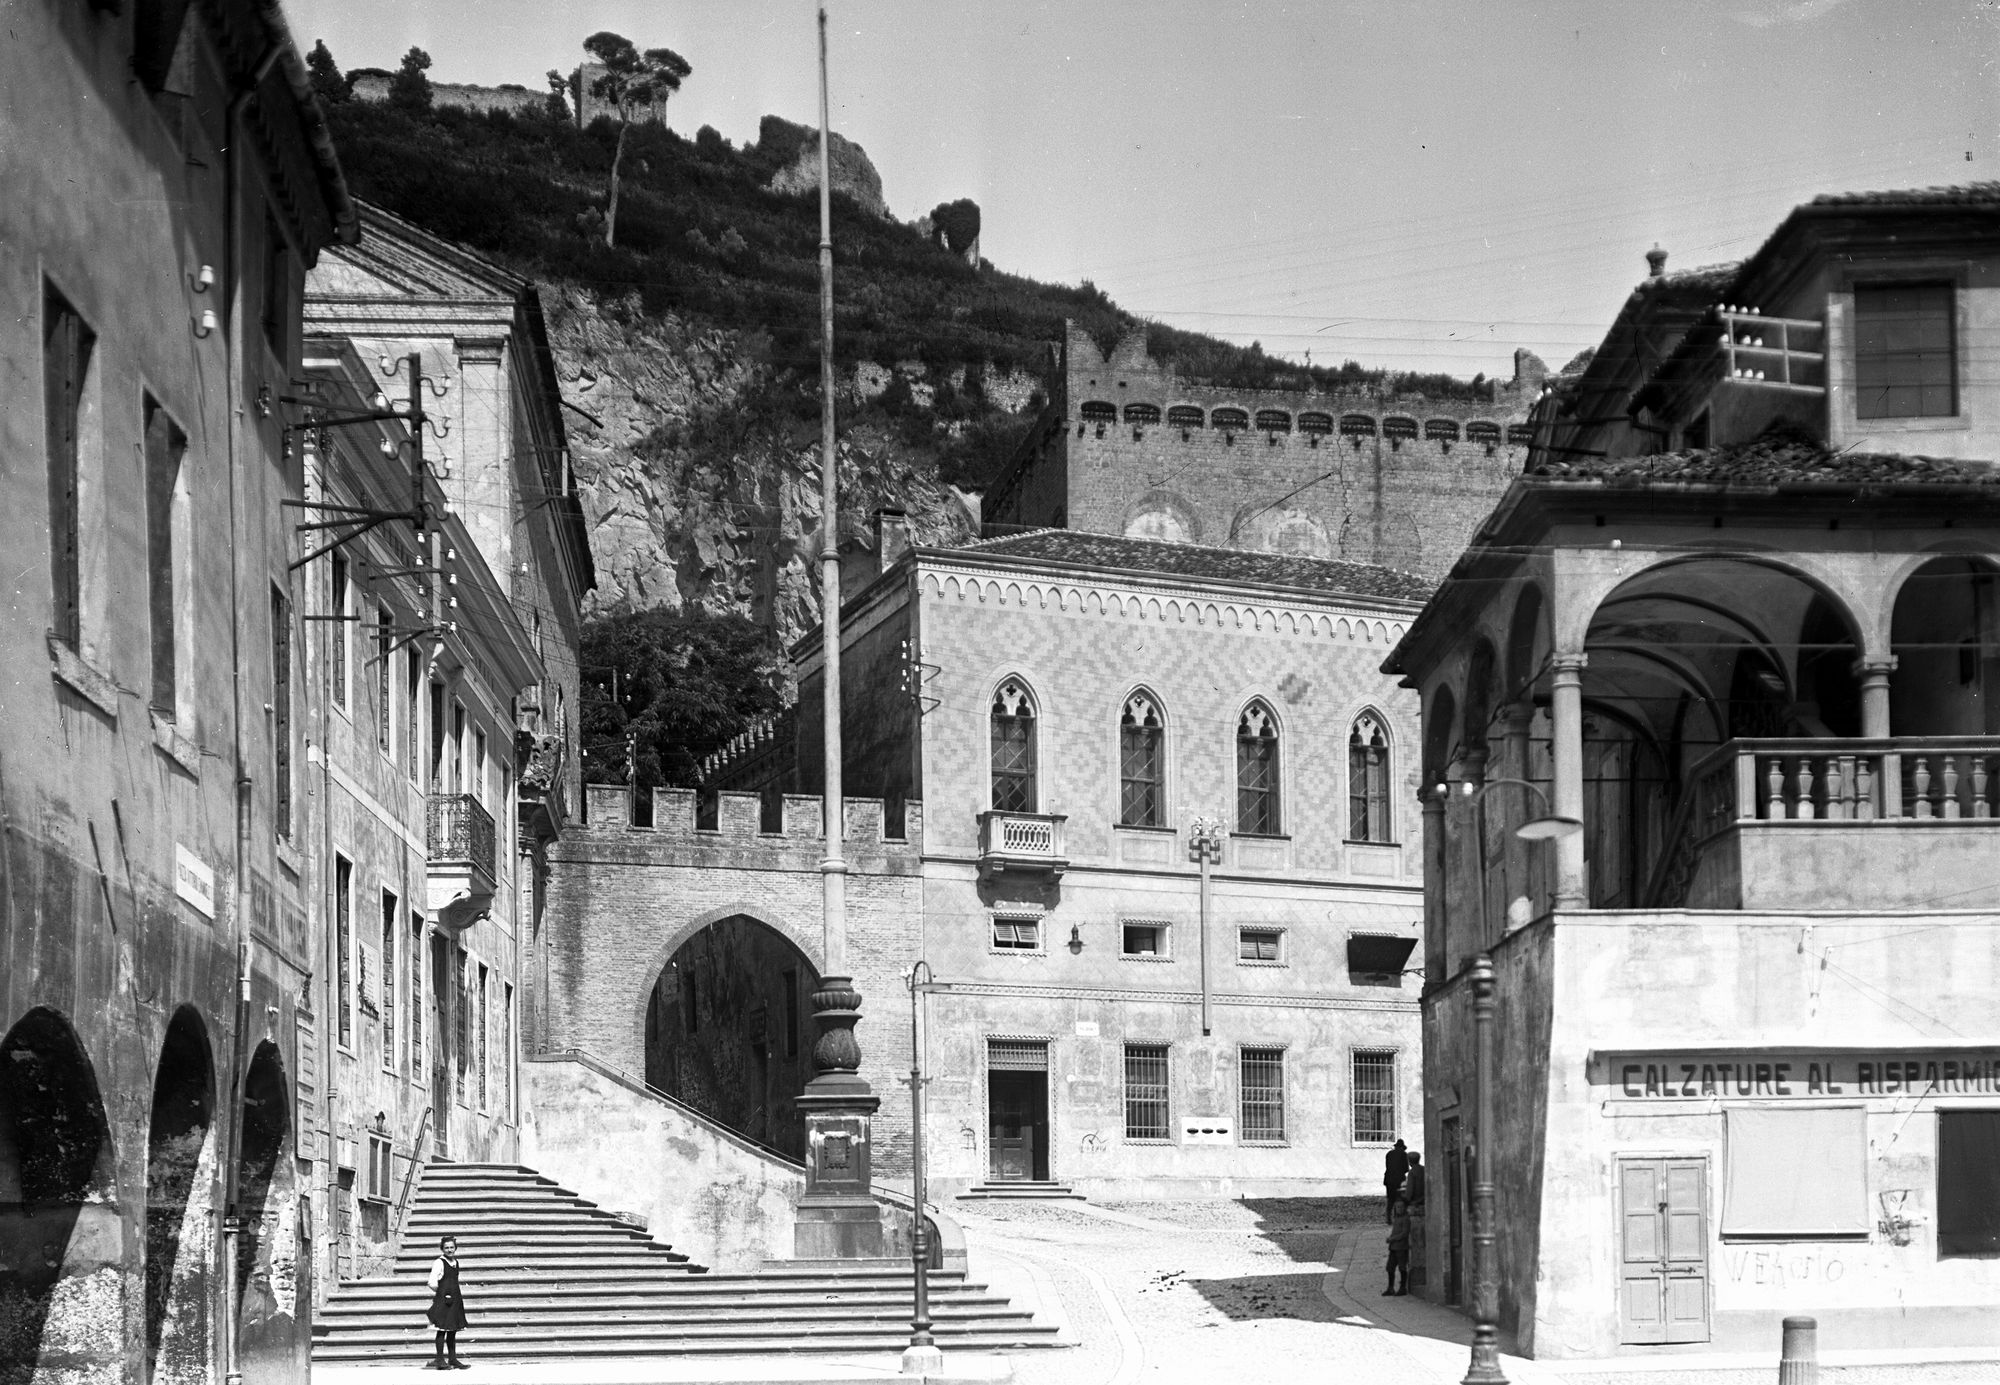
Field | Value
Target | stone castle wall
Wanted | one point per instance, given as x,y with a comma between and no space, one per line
1398,481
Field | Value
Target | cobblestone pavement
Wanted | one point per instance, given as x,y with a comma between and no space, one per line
1276,1290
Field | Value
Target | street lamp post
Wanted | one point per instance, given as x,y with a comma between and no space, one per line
922,1356
1485,1365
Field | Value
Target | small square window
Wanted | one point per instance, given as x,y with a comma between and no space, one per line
1145,940
1017,935
1258,944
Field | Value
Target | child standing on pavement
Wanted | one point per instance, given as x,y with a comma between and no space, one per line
1399,1250
447,1311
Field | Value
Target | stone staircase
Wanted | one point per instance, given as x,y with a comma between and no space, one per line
548,1275
1021,1190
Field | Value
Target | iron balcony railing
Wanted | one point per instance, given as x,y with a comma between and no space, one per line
461,830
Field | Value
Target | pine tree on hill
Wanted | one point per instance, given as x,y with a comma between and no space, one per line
327,82
631,80
410,89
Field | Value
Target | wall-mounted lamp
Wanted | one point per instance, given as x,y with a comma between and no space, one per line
388,448
207,323
1075,939
379,403
203,279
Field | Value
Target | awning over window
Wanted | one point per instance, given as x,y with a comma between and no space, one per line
1378,954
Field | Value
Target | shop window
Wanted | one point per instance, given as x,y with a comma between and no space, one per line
1795,1174
1260,944
1262,1091
1143,939
1374,1096
1017,935
1968,1183
1903,351
1146,1092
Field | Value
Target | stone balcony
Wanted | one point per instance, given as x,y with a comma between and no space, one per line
1022,843
1905,823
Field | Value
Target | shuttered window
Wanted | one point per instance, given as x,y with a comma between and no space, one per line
1904,357
67,344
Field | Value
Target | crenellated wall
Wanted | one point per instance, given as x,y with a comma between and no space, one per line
1129,447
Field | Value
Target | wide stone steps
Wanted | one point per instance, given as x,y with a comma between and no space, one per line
548,1274
1021,1190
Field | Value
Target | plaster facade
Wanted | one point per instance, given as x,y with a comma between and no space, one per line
1126,446
166,195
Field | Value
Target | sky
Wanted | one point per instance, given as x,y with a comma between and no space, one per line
1414,184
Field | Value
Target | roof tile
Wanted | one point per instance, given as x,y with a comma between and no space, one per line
1328,575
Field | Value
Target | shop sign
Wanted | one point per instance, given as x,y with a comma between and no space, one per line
1798,1076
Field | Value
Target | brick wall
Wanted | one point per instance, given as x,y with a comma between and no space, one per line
623,900
1409,502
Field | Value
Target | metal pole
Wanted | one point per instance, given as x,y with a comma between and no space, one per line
1205,846
922,1356
1485,1365
833,868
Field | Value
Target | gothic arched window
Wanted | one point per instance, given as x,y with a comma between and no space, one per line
1013,748
1142,763
1257,771
1368,780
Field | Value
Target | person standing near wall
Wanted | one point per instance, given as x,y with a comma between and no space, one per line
1399,1249
447,1311
1395,1167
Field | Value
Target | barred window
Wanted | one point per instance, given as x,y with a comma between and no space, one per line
1903,340
1142,771
1013,748
1146,1091
1257,771
1229,418
391,974
1262,1089
1184,416
1142,413
1017,934
1099,411
1374,1096
1368,780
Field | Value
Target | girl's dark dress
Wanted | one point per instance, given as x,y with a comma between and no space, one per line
447,1304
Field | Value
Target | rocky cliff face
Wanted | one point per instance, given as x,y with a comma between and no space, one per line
700,473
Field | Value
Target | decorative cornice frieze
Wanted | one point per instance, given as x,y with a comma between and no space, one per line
1168,603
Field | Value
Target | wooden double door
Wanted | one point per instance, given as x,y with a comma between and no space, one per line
1663,1251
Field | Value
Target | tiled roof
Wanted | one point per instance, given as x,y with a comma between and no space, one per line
1327,575
1985,194
1768,463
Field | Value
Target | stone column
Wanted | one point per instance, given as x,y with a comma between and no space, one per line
1567,710
1874,674
1437,927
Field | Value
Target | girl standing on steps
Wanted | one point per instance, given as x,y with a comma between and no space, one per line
447,1312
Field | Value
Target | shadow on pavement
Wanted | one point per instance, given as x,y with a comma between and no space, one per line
1304,1227
1268,1296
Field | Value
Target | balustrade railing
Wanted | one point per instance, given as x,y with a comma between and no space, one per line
1022,838
1918,779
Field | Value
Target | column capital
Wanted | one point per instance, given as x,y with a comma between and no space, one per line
1570,665
1518,716
1875,668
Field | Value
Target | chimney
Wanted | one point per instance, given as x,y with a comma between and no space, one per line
1656,260
892,538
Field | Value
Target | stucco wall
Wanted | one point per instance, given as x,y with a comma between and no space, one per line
1831,982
